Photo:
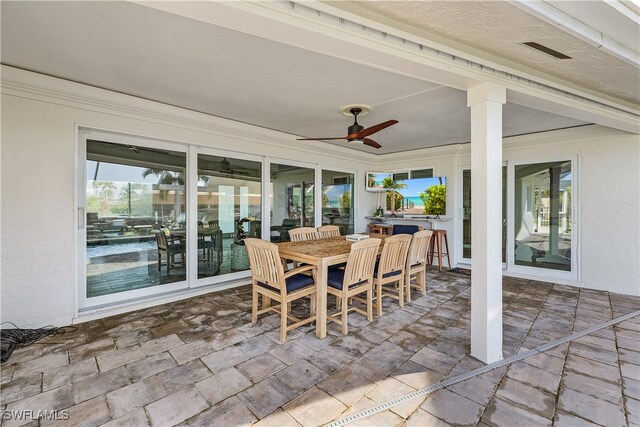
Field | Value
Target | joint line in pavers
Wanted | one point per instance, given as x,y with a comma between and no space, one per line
484,369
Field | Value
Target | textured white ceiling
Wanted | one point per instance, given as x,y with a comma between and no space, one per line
498,29
144,52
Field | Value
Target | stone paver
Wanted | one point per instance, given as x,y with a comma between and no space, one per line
191,351
260,367
230,412
150,366
201,362
126,399
177,407
222,385
314,407
503,413
597,410
91,413
453,408
120,357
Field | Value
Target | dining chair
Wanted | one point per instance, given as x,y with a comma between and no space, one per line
271,282
355,279
390,269
170,248
303,233
417,263
328,231
405,229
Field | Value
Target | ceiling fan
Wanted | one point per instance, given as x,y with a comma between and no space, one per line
357,133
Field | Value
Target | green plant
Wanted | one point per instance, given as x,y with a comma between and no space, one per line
435,200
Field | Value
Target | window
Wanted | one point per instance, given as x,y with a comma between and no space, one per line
337,200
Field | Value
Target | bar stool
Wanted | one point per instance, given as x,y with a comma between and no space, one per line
436,240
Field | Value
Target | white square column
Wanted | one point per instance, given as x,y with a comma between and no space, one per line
486,102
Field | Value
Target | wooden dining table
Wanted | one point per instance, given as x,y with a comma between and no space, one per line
321,253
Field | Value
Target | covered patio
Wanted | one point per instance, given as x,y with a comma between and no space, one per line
199,361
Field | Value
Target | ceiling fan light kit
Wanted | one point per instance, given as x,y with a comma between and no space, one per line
357,133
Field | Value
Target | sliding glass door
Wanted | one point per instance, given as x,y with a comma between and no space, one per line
465,242
543,222
337,200
292,199
229,210
133,208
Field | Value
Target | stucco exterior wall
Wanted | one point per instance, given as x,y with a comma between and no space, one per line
40,120
608,180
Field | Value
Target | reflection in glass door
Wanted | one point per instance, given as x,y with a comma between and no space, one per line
543,223
292,201
229,210
466,214
135,204
337,200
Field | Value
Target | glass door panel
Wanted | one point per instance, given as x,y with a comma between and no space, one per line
229,210
466,214
337,200
135,218
292,201
543,223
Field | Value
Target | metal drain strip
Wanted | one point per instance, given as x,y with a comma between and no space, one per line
484,369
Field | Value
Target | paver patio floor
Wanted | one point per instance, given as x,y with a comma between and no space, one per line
201,362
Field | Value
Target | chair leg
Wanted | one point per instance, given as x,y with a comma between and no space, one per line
345,324
407,283
370,304
254,307
283,322
312,304
446,244
379,299
401,292
421,277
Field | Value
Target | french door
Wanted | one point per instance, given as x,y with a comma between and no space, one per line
538,215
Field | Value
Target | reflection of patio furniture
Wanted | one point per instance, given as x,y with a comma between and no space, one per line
239,257
283,230
170,248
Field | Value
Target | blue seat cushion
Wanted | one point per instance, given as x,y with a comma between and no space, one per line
385,275
295,282
404,229
335,278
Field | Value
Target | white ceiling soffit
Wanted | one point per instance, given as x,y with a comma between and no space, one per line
491,33
611,26
228,60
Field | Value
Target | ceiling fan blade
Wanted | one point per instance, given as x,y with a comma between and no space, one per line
371,143
320,139
376,128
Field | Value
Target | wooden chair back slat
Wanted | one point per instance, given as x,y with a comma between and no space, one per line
419,247
264,260
361,262
328,231
303,233
394,254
